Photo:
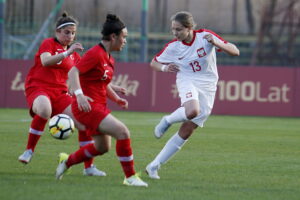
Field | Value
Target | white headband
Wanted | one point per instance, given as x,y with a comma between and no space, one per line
65,24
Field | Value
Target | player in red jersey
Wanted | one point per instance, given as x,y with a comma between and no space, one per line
46,89
90,80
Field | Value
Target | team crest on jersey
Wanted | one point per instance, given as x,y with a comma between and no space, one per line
201,52
189,95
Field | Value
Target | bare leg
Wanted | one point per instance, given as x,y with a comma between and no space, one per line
42,109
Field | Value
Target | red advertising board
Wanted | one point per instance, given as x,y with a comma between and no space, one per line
13,74
257,91
260,91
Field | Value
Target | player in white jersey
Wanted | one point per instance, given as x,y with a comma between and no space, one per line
192,55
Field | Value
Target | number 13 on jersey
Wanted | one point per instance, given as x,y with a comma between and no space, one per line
195,66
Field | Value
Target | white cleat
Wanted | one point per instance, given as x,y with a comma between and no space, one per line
161,128
26,156
135,180
93,171
62,167
152,171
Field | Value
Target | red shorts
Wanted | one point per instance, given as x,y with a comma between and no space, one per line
92,119
59,99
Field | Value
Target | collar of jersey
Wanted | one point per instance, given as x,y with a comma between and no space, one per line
56,40
190,44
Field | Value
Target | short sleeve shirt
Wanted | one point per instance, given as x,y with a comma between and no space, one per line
96,71
54,76
197,60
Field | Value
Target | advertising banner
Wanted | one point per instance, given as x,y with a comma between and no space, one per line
13,74
242,90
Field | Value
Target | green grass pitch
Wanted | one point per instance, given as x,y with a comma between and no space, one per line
231,158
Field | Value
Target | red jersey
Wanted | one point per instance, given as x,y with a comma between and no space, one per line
54,76
96,69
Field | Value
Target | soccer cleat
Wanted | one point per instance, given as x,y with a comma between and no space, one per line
135,180
152,171
161,128
26,156
93,171
62,167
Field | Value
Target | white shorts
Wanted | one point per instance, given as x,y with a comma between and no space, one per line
205,95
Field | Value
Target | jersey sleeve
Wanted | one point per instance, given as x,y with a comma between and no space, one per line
216,37
76,57
166,55
87,62
46,46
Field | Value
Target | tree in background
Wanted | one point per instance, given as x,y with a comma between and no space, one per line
250,19
276,38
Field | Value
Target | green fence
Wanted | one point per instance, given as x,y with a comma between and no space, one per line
23,25
19,35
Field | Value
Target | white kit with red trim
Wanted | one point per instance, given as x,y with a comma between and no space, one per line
197,59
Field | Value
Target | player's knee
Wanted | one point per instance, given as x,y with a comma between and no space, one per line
78,125
44,112
104,148
192,113
187,129
123,133
42,107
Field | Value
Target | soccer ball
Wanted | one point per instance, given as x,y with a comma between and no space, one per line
61,126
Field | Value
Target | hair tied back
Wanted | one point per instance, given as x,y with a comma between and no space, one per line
111,18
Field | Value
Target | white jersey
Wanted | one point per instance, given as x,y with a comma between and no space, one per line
196,60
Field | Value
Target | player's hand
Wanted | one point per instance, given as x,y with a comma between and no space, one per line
120,89
75,47
83,103
209,38
123,103
172,68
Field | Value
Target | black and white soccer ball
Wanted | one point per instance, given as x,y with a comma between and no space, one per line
61,126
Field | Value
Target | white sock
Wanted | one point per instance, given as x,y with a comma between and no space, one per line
177,116
173,145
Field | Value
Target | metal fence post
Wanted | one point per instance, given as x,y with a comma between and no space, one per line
42,29
144,32
2,7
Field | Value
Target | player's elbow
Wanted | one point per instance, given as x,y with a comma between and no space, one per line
45,62
234,51
155,65
152,64
237,52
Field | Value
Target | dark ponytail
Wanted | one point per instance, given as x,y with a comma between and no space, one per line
113,24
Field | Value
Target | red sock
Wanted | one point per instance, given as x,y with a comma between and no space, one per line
36,130
84,153
124,153
83,140
88,163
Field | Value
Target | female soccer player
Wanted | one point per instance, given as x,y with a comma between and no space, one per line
46,89
192,55
89,80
